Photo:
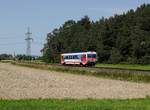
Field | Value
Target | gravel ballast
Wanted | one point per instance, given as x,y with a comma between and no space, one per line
23,83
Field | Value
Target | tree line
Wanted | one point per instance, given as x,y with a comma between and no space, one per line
18,57
121,38
6,57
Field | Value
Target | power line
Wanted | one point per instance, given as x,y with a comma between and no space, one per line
18,43
9,37
38,43
13,43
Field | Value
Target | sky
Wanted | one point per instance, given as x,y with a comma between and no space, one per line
42,16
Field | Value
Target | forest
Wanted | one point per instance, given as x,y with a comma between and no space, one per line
121,38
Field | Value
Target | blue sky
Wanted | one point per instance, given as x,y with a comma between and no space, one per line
42,16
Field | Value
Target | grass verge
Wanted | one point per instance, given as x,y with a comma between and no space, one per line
125,66
136,77
73,104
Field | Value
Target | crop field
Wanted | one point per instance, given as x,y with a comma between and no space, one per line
22,82
27,88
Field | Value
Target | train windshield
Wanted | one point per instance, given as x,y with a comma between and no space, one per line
91,55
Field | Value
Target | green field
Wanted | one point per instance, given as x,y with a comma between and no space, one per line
125,66
72,104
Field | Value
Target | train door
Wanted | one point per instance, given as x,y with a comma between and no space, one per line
83,59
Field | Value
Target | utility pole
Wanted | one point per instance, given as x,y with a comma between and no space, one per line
28,40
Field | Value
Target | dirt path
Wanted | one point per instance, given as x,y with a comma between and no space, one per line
21,82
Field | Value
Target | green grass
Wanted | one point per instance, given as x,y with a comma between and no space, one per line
73,104
125,66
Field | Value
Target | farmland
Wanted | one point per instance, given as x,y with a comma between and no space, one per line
22,82
30,88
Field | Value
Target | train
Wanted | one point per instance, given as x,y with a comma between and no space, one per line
80,58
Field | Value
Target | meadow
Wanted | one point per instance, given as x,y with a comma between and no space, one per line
73,104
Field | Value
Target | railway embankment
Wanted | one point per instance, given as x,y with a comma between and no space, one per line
112,73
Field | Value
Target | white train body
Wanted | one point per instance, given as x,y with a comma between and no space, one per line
80,58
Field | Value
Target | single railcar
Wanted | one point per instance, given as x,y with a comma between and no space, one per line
81,58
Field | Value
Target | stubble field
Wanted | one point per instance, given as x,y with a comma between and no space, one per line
27,83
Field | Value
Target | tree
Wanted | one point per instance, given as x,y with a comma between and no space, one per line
120,38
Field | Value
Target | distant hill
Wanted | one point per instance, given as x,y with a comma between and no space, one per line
121,38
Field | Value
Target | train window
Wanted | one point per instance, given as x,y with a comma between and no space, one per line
91,55
94,56
70,57
75,57
65,57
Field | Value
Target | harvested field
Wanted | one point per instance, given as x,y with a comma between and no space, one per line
22,82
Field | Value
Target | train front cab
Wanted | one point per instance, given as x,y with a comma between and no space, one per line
89,59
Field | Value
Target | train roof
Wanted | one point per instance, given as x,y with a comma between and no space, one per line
79,53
